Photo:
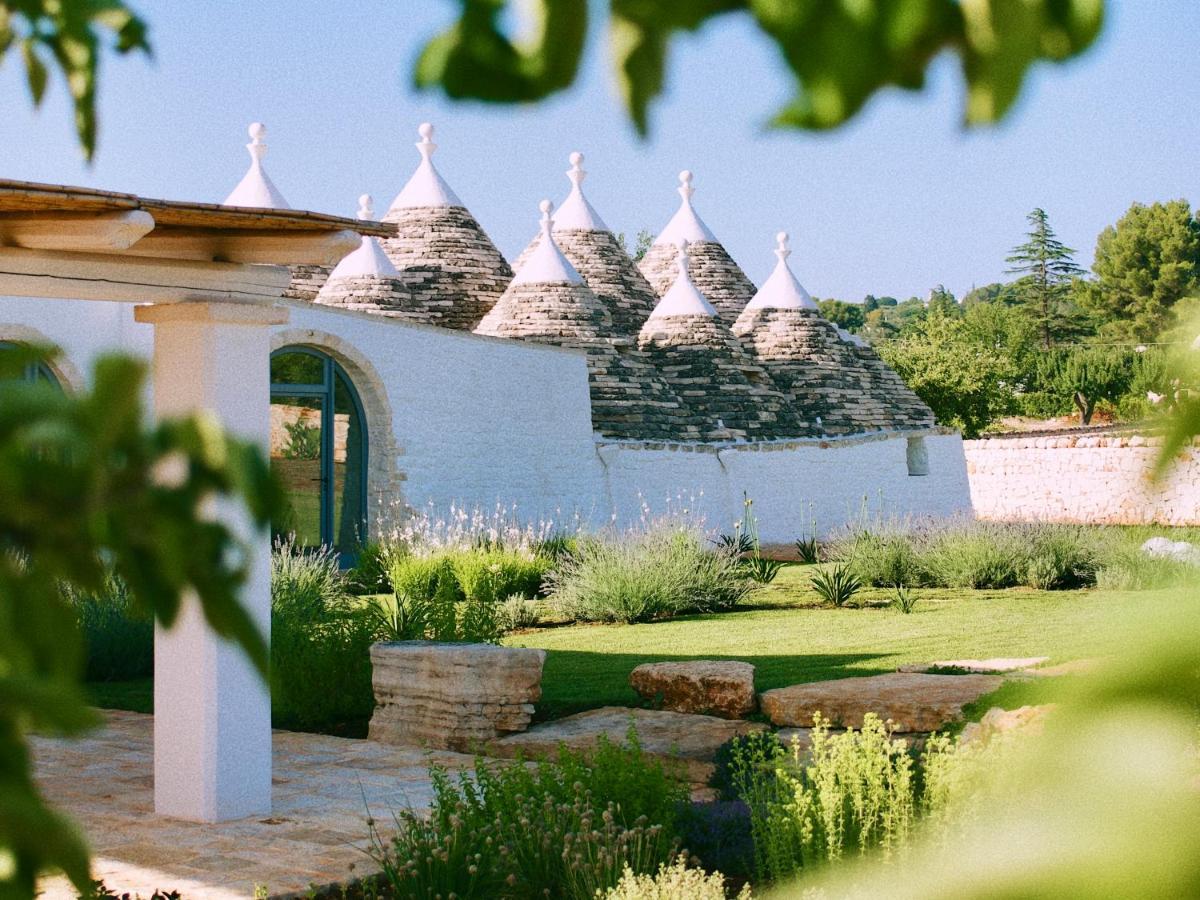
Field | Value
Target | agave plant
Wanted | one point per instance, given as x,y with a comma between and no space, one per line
808,550
836,585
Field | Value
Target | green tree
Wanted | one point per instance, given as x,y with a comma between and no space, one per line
839,54
1006,294
1047,266
966,383
642,242
88,489
848,316
72,34
1087,375
942,301
1144,265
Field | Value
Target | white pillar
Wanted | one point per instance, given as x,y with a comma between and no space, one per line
212,710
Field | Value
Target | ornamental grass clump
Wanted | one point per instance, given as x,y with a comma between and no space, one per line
564,827
639,575
320,644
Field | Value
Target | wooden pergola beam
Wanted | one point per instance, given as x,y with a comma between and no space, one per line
81,232
320,248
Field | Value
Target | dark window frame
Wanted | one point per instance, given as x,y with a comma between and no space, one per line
331,370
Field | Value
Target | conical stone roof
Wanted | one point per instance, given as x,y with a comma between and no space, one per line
712,373
829,384
365,280
713,270
450,268
549,302
599,257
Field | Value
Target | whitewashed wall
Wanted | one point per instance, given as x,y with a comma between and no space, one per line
1095,479
458,418
796,486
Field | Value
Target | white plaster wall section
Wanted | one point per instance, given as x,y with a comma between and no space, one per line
657,479
481,420
81,329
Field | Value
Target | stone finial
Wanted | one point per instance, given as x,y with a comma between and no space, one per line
426,187
684,261
781,246
781,290
546,264
256,189
576,173
685,185
685,224
425,146
576,214
366,207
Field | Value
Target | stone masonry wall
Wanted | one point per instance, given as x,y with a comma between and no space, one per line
1093,479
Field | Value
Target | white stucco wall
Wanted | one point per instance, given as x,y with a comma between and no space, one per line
457,418
796,486
1096,479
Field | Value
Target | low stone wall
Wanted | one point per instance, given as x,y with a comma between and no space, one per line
1091,479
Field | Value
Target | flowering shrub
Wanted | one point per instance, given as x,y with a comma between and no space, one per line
674,882
565,827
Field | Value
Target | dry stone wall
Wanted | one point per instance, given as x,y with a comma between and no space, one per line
1092,479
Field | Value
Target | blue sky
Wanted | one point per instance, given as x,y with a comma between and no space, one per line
902,199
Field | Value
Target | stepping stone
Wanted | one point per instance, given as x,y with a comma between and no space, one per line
712,687
978,666
670,736
912,701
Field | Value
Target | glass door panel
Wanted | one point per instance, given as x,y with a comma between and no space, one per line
296,460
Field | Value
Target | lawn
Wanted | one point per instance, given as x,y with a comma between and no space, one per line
791,639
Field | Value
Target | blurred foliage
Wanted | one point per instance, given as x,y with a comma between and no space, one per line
838,54
89,490
72,33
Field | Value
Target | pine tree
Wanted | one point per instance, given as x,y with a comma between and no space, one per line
1047,266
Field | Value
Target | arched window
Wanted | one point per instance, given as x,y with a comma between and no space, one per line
34,372
318,449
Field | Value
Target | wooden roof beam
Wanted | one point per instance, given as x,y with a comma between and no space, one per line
80,232
321,248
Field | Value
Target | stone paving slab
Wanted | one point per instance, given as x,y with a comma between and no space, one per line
679,737
324,790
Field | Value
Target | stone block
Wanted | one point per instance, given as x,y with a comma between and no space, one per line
723,688
911,701
452,696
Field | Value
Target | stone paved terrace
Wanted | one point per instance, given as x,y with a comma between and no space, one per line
316,833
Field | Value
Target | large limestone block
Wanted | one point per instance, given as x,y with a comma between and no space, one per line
684,738
993,665
452,696
912,701
722,688
997,721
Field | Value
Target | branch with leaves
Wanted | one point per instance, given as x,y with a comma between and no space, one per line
88,489
838,54
69,34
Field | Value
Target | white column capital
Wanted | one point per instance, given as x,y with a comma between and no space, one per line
212,313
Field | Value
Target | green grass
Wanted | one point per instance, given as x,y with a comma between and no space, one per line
790,638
